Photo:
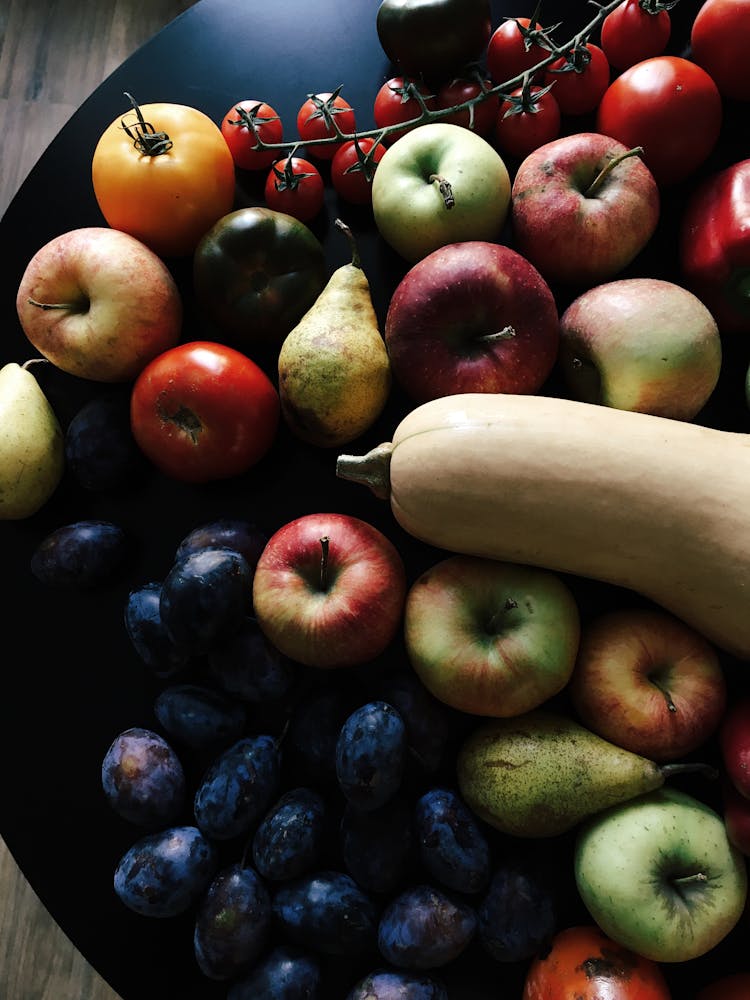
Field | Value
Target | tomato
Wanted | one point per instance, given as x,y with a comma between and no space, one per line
720,42
514,48
636,30
322,116
731,987
480,117
669,106
353,168
585,964
203,411
580,78
242,126
526,120
396,102
164,174
296,187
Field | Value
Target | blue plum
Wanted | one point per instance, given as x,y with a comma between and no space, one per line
371,755
423,928
148,634
233,533
82,554
143,778
391,984
249,667
376,845
452,845
100,450
286,973
199,717
288,841
517,915
327,912
233,922
427,720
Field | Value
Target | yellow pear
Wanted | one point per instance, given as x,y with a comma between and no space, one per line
32,445
334,370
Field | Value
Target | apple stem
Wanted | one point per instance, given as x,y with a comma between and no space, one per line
667,696
325,543
371,469
688,879
505,334
445,190
52,305
600,178
356,262
669,770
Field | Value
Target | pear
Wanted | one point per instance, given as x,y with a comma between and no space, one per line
32,444
539,774
334,370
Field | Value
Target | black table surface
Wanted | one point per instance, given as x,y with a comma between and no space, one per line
71,679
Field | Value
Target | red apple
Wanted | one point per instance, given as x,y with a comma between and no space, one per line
99,304
329,590
736,809
471,317
582,207
491,638
734,742
647,682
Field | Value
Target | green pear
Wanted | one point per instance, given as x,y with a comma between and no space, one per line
539,774
32,445
334,370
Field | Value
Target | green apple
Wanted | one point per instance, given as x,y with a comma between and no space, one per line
491,638
32,445
439,184
641,344
659,875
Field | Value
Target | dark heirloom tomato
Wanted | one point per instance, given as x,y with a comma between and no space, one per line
583,963
255,273
433,38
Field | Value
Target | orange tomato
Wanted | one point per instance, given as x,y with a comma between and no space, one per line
585,964
732,987
165,174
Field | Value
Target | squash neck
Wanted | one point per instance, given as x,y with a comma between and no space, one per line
372,469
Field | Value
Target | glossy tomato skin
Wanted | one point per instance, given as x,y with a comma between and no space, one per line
395,102
315,120
461,89
255,273
353,168
584,964
241,126
507,55
170,199
669,106
580,80
203,411
523,127
634,31
295,186
720,42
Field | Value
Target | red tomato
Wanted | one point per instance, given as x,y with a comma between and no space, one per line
353,168
732,987
203,411
507,53
242,126
585,964
528,119
580,79
320,117
668,105
460,89
395,102
295,186
634,31
720,42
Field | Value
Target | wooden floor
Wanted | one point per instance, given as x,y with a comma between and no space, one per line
53,54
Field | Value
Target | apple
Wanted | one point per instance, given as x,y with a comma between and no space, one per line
99,304
471,317
734,744
329,590
582,207
439,184
641,344
659,875
647,682
491,638
736,810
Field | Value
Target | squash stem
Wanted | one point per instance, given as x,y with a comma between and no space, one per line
372,469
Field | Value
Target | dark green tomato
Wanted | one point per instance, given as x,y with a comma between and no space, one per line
255,273
434,38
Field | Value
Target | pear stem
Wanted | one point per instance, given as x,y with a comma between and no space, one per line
356,262
34,361
669,770
597,182
372,469
445,190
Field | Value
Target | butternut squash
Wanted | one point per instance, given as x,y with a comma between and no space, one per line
658,506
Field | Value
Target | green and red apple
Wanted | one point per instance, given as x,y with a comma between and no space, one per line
491,638
641,344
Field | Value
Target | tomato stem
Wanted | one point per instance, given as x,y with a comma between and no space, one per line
145,138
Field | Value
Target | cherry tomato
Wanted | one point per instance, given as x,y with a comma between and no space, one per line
396,102
636,30
353,168
295,186
735,986
203,411
585,964
315,120
481,117
580,77
529,118
242,126
720,42
514,48
669,106
171,207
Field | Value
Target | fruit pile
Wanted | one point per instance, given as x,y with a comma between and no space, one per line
491,729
